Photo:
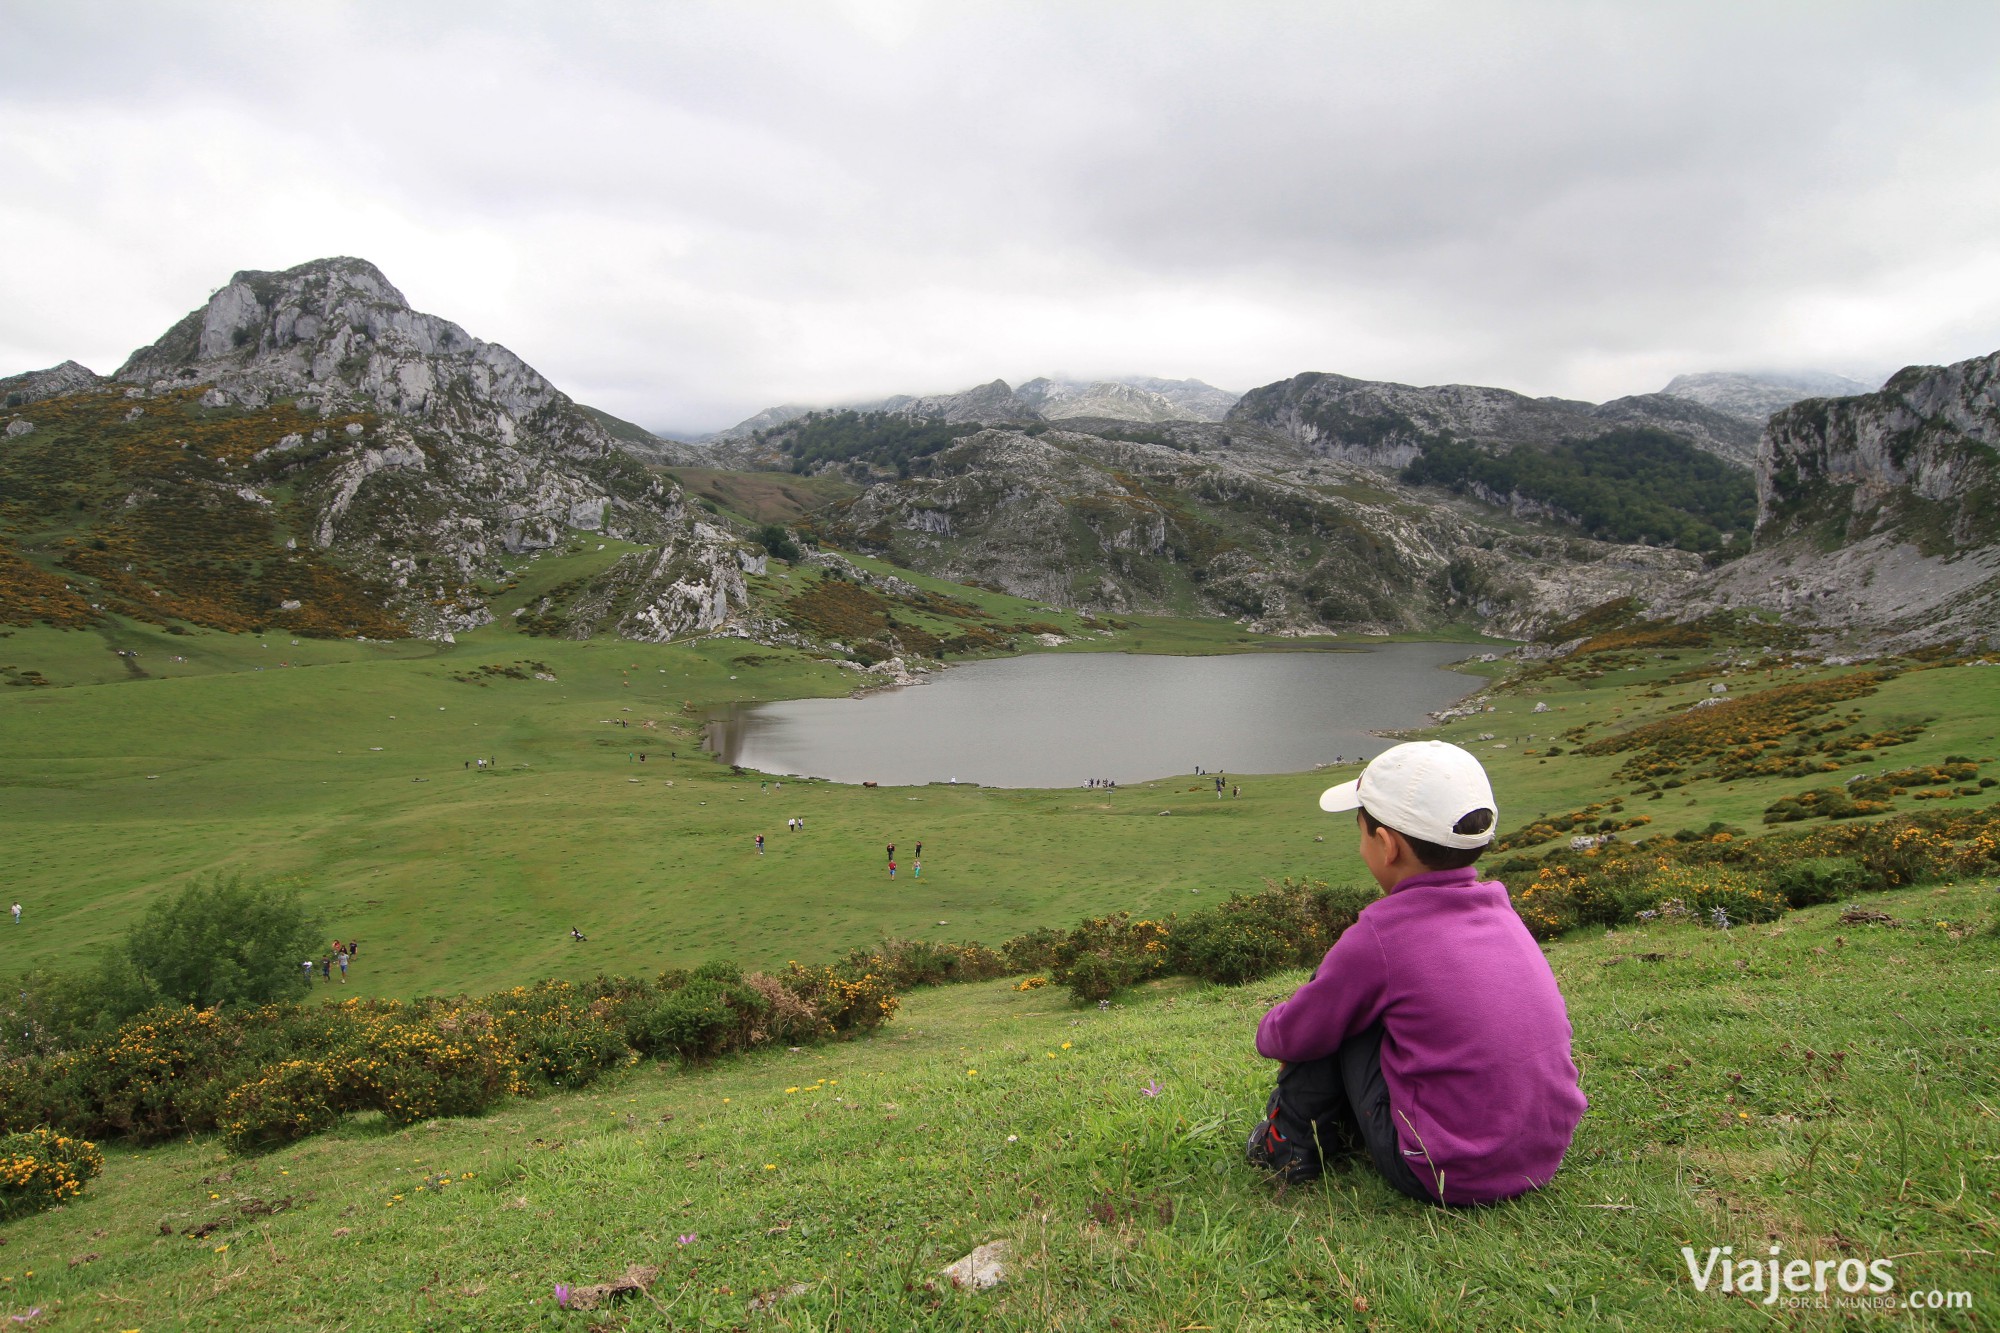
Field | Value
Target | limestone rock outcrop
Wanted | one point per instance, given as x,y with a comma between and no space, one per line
1879,514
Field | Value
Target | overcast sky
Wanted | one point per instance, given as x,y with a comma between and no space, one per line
686,212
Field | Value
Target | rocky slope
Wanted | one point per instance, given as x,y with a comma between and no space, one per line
1384,426
1248,526
414,456
1879,514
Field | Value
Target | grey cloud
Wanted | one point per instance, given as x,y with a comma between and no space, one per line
687,212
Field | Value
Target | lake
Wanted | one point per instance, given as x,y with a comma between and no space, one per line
1058,719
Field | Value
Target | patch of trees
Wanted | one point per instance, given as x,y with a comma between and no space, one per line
1636,484
882,438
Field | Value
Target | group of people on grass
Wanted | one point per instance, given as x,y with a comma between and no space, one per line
916,862
340,955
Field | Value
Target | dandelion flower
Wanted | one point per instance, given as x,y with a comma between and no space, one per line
770,1166
220,1248
972,1073
1065,1045
1742,1115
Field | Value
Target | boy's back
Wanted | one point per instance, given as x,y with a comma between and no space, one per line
1476,1041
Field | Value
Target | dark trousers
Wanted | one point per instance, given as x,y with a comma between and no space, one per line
1327,1108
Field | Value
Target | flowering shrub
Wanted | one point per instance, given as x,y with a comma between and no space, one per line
40,1168
276,1073
847,1003
906,963
290,1101
560,1038
1769,733
1607,885
1291,924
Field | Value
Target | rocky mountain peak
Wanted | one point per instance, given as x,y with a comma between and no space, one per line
35,385
419,455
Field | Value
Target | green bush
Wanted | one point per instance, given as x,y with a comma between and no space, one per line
1098,975
226,942
40,1168
1818,879
1231,946
704,1018
1034,951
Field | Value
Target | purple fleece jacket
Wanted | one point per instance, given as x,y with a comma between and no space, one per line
1475,1046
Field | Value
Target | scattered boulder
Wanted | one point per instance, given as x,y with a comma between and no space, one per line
984,1267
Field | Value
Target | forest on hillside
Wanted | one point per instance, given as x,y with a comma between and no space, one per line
1637,484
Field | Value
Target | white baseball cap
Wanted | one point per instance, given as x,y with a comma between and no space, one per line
1421,789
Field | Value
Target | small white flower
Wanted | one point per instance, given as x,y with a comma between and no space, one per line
1013,1138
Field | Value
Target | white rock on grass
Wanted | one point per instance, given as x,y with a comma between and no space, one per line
984,1267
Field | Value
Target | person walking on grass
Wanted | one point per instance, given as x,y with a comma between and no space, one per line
916,869
760,844
892,869
17,914
341,958
326,969
309,971
1433,1038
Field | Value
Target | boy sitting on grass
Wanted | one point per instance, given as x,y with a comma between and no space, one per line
1432,1036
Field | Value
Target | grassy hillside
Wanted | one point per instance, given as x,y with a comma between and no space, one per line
343,767
1820,1086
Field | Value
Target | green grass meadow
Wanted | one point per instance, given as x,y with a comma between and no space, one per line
1832,1089
1826,1088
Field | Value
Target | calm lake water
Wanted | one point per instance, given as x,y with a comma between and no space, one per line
1056,720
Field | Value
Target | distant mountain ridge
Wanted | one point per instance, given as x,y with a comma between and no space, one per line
1754,396
1384,425
1134,398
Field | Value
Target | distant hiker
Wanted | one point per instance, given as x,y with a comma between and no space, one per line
892,851
760,844
892,870
468,763
642,756
341,958
1433,1037
577,935
920,851
17,914
326,969
916,870
353,949
309,971
1235,792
